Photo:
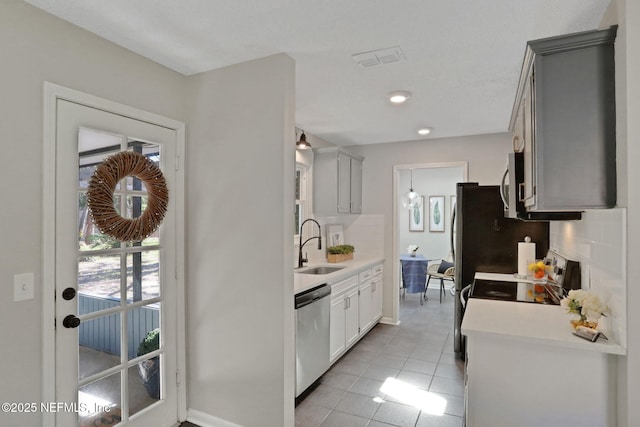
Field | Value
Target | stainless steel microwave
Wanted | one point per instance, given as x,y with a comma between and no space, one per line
512,192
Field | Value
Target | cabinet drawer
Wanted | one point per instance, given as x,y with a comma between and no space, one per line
341,287
365,275
377,269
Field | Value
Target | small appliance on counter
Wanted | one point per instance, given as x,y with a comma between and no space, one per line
564,272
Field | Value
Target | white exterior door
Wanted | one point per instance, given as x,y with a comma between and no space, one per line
113,294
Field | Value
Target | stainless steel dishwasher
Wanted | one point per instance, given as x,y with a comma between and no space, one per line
312,335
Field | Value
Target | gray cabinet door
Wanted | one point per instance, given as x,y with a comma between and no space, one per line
337,182
344,183
356,185
528,129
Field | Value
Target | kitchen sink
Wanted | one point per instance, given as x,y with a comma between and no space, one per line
322,269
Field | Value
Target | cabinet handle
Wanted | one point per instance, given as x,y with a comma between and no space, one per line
521,192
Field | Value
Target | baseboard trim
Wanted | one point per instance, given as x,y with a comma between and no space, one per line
389,321
205,420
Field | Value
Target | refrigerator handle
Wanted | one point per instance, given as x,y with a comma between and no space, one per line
503,189
464,295
451,234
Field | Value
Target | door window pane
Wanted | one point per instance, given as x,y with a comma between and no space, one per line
143,275
143,330
99,341
99,278
144,384
100,402
89,236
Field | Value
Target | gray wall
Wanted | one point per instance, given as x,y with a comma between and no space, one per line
240,169
630,18
626,13
36,47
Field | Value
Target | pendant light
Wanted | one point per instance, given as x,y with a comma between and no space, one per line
302,144
411,199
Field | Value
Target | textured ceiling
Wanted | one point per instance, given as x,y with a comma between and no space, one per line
463,57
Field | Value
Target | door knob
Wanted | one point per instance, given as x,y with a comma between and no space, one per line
68,294
71,321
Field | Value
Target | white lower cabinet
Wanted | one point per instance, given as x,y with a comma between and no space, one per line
516,383
344,316
366,300
376,292
337,331
356,306
366,305
352,326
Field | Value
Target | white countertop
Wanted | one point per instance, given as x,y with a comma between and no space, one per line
302,282
541,323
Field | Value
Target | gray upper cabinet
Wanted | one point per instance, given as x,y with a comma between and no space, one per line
337,182
563,121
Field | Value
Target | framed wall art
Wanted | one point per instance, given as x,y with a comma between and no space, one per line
335,235
436,213
416,217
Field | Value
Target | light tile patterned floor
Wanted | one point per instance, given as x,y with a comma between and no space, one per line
418,352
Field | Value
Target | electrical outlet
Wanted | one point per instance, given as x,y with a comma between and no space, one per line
22,286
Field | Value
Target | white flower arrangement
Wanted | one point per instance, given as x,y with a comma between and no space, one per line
412,248
584,303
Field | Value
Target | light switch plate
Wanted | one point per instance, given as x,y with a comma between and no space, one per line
22,286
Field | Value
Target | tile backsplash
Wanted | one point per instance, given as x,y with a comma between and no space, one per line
598,242
365,232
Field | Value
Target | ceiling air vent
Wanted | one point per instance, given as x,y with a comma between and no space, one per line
375,58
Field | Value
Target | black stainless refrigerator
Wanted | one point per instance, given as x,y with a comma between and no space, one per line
487,241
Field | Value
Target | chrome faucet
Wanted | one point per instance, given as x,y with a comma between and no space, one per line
301,259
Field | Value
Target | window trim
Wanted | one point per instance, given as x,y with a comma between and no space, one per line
302,201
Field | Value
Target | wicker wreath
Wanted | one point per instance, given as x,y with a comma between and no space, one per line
100,196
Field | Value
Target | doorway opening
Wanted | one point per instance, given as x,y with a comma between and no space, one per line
431,232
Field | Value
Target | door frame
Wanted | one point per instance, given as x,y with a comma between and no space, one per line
395,306
53,93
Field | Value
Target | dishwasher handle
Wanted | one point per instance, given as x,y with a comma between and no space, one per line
312,295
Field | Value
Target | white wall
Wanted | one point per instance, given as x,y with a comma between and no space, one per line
487,157
37,47
240,169
630,17
626,13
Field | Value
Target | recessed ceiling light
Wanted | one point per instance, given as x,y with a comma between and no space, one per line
400,96
424,131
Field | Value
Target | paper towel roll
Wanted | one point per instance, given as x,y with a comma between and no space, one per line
526,254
